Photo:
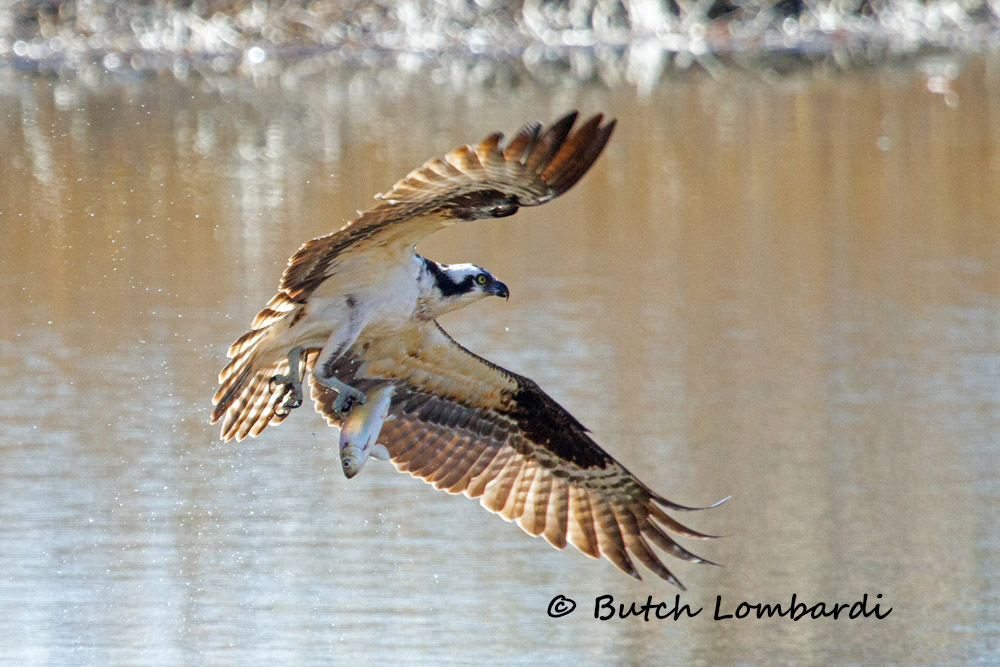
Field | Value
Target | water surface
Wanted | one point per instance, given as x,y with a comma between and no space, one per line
787,291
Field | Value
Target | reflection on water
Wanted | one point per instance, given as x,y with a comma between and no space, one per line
788,292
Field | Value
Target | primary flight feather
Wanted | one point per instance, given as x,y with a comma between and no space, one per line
357,310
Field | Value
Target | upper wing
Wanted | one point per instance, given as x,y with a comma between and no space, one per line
490,180
468,426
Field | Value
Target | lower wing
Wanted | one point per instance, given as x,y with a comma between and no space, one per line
468,426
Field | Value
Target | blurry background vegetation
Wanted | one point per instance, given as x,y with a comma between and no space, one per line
610,40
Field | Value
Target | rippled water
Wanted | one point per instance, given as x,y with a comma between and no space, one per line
787,291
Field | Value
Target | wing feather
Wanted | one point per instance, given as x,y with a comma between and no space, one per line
517,503
536,503
476,457
477,485
557,513
665,542
468,426
609,537
519,147
449,461
429,460
582,531
548,145
513,508
469,183
637,546
415,457
498,490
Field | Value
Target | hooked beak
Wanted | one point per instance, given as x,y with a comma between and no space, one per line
499,289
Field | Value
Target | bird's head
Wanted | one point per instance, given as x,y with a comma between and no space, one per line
453,286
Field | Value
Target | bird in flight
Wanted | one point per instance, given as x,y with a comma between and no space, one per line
357,311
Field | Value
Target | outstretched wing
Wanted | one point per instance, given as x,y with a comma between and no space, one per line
490,180
468,426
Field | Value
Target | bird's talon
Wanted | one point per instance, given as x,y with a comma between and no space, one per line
348,399
285,403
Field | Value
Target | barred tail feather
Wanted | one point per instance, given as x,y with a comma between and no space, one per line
248,401
247,341
279,306
244,396
234,378
232,387
256,406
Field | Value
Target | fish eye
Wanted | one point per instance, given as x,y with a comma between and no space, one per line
482,279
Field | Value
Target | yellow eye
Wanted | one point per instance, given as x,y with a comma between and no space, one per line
481,279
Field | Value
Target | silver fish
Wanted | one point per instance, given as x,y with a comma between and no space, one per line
361,429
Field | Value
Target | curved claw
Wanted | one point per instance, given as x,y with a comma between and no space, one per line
348,399
284,405
281,410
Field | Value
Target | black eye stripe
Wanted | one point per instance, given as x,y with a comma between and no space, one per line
448,286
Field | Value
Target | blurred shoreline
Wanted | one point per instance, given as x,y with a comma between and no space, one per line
633,41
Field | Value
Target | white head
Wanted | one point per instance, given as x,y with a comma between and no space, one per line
448,287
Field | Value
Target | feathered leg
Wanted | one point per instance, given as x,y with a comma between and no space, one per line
336,345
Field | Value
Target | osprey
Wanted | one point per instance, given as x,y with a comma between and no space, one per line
357,309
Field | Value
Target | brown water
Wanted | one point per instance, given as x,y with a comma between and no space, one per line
783,290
